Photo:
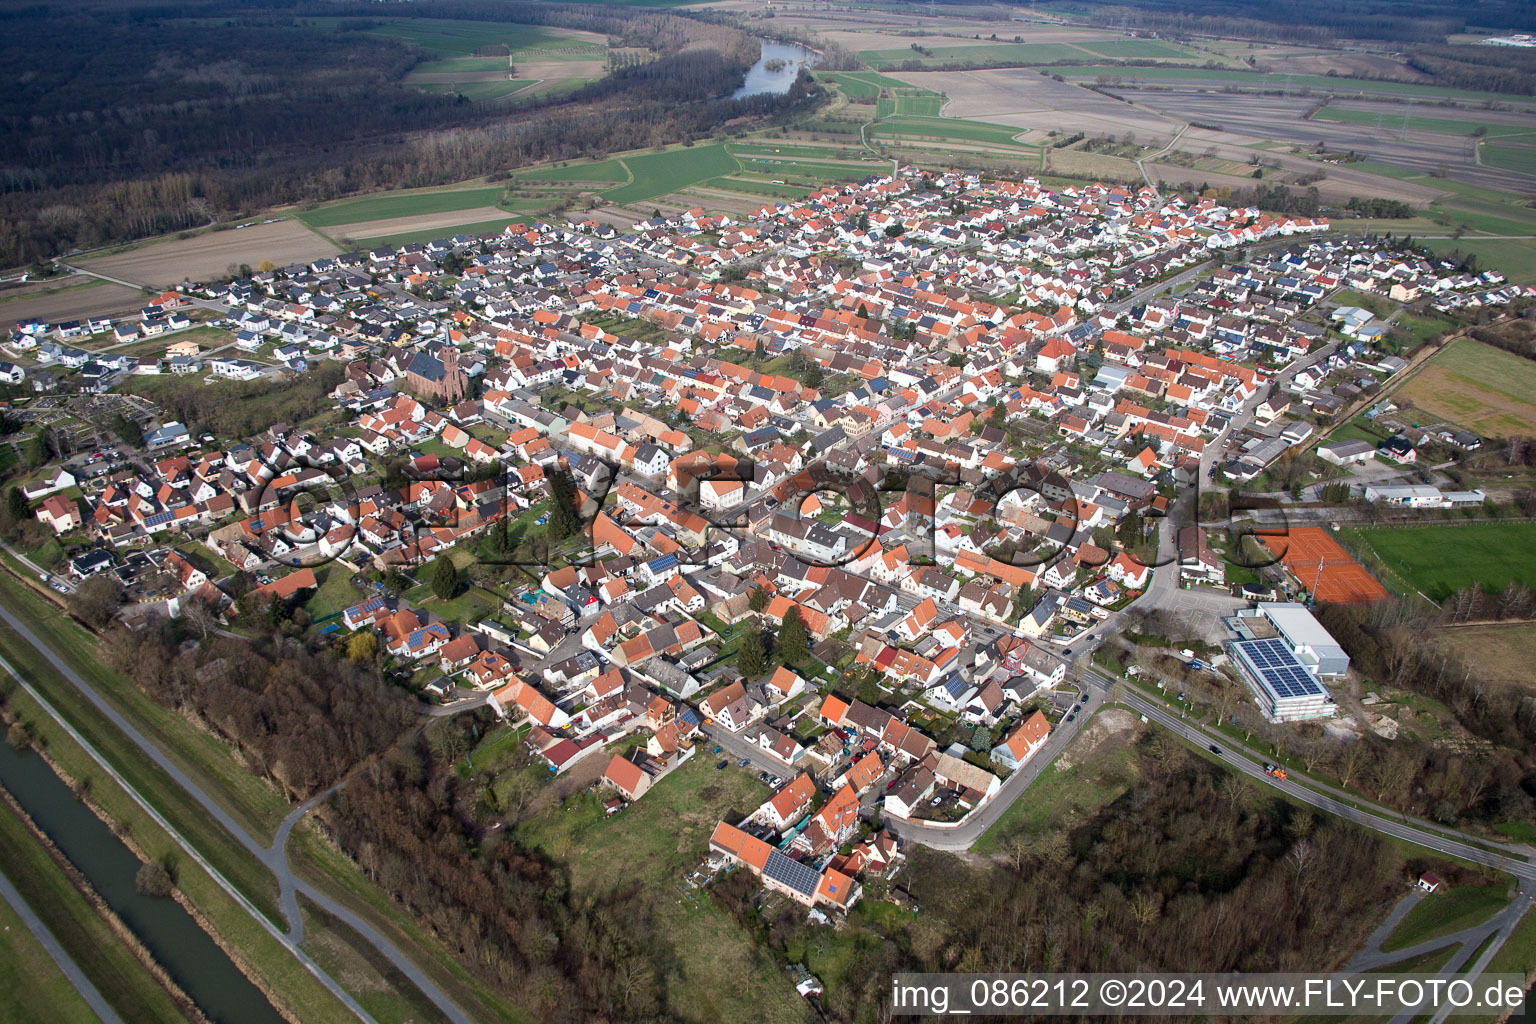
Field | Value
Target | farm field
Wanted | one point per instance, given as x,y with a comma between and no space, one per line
656,174
1440,560
1021,99
999,53
1503,653
1521,159
993,53
1397,117
460,66
759,187
483,227
1280,81
1476,386
165,264
947,129
1515,257
810,173
392,226
1270,124
453,38
385,205
598,171
482,92
82,297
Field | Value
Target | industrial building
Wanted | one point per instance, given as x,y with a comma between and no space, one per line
1283,653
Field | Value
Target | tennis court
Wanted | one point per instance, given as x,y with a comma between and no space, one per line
1341,579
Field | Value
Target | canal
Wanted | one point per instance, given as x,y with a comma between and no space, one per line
186,952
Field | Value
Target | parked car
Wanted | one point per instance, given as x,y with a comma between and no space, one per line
721,766
744,762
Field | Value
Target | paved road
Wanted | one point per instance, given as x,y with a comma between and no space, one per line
965,835
57,954
1501,925
273,857
735,746
1455,844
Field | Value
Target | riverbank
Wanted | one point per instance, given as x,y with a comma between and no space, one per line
83,794
295,994
117,963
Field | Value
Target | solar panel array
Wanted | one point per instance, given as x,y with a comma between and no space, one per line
790,872
1282,674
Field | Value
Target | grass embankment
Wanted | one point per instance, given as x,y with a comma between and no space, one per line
383,991
123,981
29,978
1444,913
1062,798
322,865
263,958
205,759
260,956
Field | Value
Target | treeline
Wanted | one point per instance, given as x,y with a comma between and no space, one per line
1517,336
1377,207
246,408
130,121
300,717
1385,644
1509,69
1314,21
1193,870
509,913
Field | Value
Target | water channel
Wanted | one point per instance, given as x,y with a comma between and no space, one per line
186,952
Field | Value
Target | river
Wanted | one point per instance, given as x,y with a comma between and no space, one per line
761,80
186,952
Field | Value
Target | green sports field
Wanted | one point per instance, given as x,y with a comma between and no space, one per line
400,204
1440,560
914,102
866,83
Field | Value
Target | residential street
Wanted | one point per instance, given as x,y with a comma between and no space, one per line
965,835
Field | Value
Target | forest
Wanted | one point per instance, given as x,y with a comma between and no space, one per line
415,828
298,716
1304,21
123,120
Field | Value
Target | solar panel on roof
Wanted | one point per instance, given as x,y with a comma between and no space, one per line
790,872
1278,670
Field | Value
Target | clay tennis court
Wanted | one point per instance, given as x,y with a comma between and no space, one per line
1342,580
